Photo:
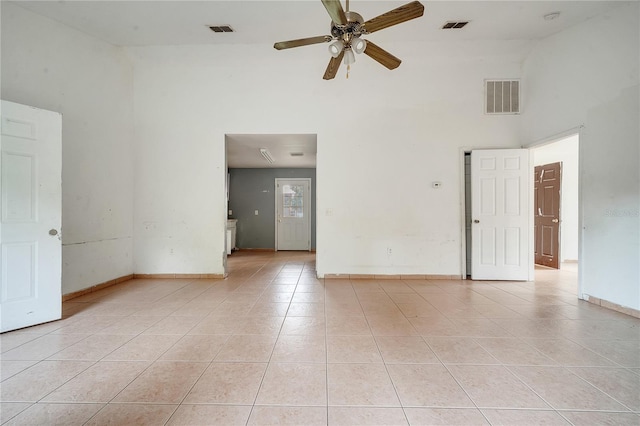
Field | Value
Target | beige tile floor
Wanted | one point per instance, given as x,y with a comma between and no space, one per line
274,345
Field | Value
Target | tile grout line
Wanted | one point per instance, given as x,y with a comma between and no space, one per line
152,362
386,369
457,381
255,399
326,348
600,390
402,405
199,376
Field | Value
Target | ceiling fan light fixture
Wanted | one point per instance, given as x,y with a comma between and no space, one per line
345,31
336,48
349,57
358,45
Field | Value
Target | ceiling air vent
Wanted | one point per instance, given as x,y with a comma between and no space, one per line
221,29
454,25
502,96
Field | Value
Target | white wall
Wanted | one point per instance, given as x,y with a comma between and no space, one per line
383,137
566,151
51,66
588,75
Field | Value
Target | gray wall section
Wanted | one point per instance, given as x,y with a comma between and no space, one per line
254,189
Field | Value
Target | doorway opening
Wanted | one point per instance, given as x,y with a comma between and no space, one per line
563,148
254,163
556,202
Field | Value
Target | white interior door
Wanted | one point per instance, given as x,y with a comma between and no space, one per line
293,214
500,211
31,208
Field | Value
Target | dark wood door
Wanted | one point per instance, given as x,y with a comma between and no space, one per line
547,214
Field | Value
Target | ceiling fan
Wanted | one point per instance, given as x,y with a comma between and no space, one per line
346,31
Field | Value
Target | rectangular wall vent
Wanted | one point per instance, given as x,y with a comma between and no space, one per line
454,25
502,96
221,29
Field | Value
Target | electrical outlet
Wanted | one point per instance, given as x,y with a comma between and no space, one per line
230,212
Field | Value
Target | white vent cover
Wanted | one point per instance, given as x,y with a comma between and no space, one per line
502,96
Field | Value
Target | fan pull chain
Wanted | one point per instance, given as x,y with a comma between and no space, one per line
348,70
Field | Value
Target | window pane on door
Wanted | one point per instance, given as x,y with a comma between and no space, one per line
292,200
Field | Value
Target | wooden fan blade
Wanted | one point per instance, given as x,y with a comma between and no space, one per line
335,11
332,68
302,42
396,16
382,56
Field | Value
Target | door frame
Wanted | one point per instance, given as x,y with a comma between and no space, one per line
463,211
581,132
308,227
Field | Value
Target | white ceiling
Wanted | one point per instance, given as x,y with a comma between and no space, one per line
243,151
162,22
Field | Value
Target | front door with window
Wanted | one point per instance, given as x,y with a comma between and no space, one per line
293,214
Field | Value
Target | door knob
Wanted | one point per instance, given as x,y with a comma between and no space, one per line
554,220
476,221
53,232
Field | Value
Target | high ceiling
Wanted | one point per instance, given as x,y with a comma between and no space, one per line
162,22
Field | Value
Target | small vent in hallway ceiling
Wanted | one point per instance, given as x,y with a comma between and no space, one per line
454,25
221,29
502,96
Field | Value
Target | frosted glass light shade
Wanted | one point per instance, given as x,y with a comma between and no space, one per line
349,57
358,45
336,48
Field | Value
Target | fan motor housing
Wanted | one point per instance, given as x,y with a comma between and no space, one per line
353,27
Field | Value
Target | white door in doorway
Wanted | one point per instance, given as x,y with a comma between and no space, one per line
501,236
31,248
293,214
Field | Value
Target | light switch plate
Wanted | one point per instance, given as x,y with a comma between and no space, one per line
256,213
